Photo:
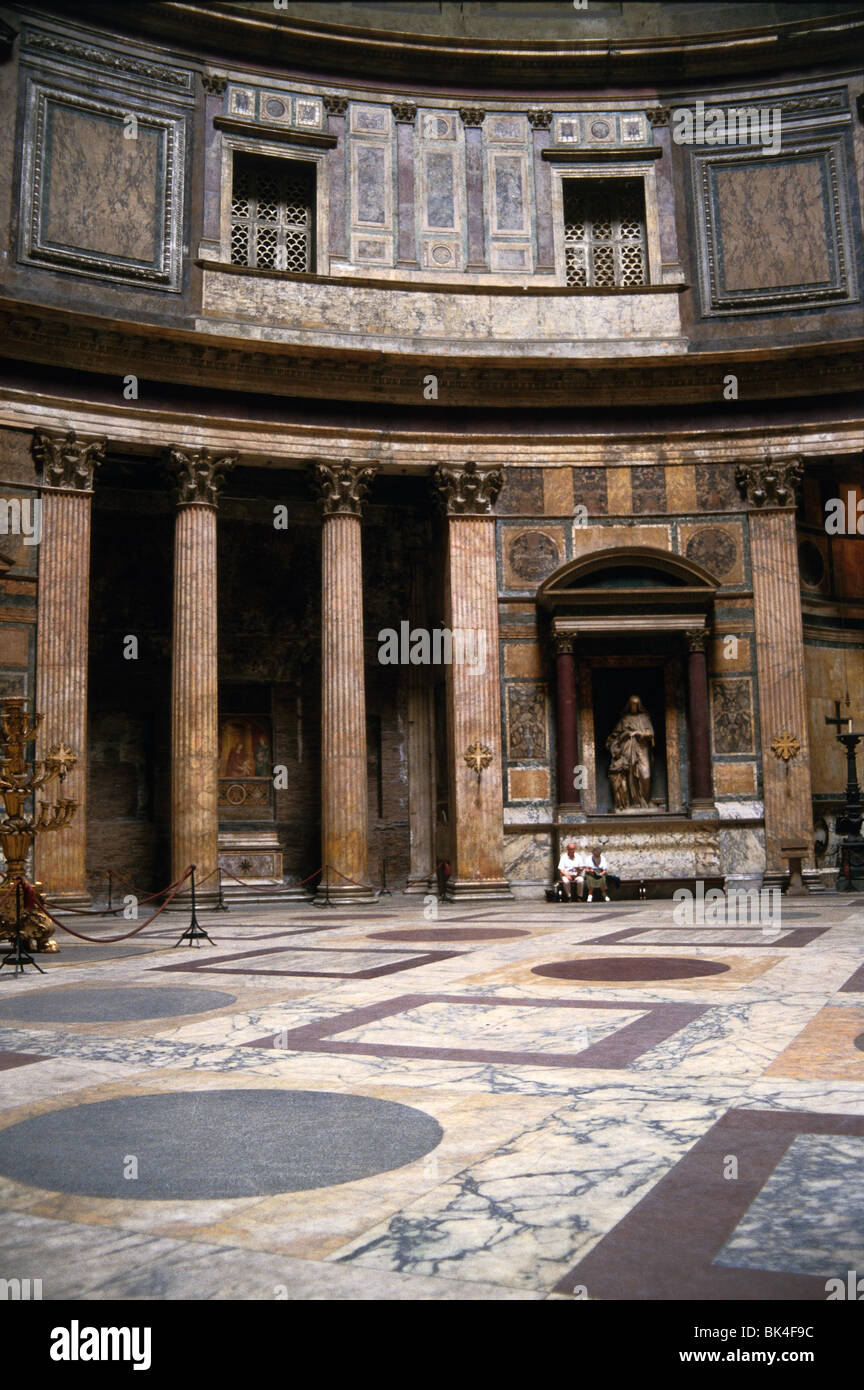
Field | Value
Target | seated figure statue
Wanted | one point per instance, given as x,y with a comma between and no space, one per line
630,744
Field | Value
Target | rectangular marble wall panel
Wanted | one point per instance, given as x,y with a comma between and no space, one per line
440,209
527,721
369,180
732,715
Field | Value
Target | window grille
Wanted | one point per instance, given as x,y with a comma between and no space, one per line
272,214
604,232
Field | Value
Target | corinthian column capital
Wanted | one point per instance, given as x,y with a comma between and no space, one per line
763,482
467,490
342,487
199,477
66,461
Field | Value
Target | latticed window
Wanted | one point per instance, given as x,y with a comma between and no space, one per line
272,222
604,232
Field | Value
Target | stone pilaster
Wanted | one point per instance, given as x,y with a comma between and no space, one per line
68,470
540,122
769,489
421,747
697,711
472,119
199,478
344,790
475,752
405,115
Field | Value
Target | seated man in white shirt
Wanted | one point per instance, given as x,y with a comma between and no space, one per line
570,871
594,873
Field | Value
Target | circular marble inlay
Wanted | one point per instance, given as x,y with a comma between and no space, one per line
600,130
630,968
274,107
447,934
859,1042
199,1145
117,1004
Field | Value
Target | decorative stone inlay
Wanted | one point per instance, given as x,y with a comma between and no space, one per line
67,462
767,482
539,119
472,115
342,487
199,477
785,746
466,491
335,106
405,112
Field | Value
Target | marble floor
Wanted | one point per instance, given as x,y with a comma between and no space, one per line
515,1101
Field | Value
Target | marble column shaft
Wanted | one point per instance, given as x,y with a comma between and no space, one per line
567,721
421,749
474,715
194,670
782,691
697,701
344,791
61,681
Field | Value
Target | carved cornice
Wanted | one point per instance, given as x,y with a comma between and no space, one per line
198,476
67,462
472,115
342,487
214,83
335,106
764,483
539,119
57,45
405,112
467,491
57,338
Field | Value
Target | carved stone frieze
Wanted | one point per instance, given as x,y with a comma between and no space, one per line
66,461
765,483
342,487
199,476
468,490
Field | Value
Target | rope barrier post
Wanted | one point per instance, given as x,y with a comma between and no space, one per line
221,905
384,888
194,933
16,955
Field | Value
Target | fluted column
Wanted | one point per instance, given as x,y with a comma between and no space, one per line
199,478
697,709
421,746
475,751
769,489
344,790
69,467
565,663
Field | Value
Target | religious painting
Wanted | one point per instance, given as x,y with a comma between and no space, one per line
732,715
244,747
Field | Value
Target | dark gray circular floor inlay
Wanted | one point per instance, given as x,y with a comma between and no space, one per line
111,1004
859,1042
211,1144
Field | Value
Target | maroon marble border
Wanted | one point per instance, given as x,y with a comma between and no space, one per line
795,936
216,965
631,1041
664,1247
8,1060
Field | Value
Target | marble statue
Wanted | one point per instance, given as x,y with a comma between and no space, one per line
630,745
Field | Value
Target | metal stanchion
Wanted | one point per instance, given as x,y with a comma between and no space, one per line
194,933
16,955
221,905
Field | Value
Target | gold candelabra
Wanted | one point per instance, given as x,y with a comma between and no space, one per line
20,778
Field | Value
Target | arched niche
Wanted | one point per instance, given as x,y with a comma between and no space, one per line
614,614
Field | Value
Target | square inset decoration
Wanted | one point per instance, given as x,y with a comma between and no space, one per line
102,189
628,1038
308,111
773,231
441,255
241,102
567,130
